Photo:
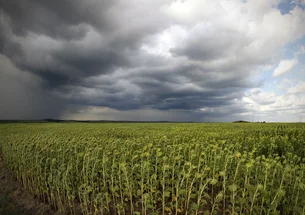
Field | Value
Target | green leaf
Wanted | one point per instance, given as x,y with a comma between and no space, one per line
250,187
182,192
264,193
146,195
206,195
167,194
213,181
194,206
233,187
242,200
281,193
299,210
204,202
149,206
139,192
219,196
207,212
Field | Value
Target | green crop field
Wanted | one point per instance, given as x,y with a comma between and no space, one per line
160,168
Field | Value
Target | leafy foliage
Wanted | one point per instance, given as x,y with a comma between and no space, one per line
161,168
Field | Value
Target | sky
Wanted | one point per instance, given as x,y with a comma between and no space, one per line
168,60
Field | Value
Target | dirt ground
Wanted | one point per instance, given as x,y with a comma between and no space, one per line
14,200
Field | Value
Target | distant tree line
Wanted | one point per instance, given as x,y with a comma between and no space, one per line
53,120
242,121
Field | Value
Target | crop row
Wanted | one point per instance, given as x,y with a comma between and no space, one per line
160,168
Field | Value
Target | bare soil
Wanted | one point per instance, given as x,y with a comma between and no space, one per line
15,200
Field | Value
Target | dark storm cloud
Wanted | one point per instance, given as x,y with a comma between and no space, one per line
159,88
71,24
22,97
71,66
64,19
104,53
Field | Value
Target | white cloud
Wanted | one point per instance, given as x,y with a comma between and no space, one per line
284,67
248,100
300,2
268,106
161,43
297,89
300,52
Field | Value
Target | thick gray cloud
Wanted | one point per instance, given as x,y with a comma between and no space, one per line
64,43
65,19
22,96
193,59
